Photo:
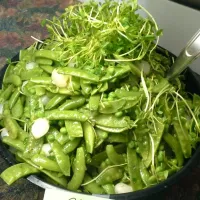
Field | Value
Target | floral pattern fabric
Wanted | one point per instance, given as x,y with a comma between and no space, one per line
19,20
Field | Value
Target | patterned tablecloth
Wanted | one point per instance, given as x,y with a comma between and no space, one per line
19,20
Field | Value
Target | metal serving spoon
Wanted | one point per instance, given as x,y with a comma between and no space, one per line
187,55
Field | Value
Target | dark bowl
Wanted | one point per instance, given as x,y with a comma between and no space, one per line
192,82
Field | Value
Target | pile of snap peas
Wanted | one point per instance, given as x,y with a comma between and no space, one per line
115,123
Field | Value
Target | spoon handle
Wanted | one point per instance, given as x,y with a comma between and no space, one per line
187,55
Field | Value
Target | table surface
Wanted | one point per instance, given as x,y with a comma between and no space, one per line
19,20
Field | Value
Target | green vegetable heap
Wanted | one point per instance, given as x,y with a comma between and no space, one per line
89,107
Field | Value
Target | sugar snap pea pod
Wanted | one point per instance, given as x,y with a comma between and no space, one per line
13,79
89,136
119,71
6,93
17,171
18,109
109,107
71,145
47,68
74,128
79,171
65,115
134,169
52,55
42,80
22,135
40,91
175,146
78,73
133,95
98,158
86,88
67,91
61,138
94,102
46,163
73,103
110,175
61,158
109,120
100,88
162,84
55,100
113,156
112,130
130,104
33,146
134,69
119,138
44,61
109,188
17,144
14,97
27,75
61,180
183,138
145,175
10,125
92,187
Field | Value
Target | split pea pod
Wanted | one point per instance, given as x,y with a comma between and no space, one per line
48,54
17,171
46,163
74,128
73,103
89,136
175,146
79,170
65,115
17,144
10,125
183,138
54,101
47,68
6,93
78,73
14,97
71,145
94,102
92,187
113,156
18,109
13,79
33,146
134,169
53,175
43,61
61,158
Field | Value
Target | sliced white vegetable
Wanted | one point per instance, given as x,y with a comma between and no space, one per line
46,149
144,66
31,65
44,99
1,108
40,127
59,80
122,188
4,133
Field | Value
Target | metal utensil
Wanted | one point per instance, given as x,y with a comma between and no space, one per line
187,55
